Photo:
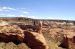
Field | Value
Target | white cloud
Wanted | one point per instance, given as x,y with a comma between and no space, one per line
13,15
4,8
31,16
7,15
14,12
1,9
22,15
25,12
34,17
8,8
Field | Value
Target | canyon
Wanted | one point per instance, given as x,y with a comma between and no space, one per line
38,33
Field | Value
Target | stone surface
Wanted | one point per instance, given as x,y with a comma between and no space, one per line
13,33
35,40
55,29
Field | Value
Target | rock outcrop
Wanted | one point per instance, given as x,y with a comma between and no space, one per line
13,33
58,29
33,32
35,40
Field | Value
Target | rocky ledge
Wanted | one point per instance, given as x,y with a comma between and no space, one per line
13,33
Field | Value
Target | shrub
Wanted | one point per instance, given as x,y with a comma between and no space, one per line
53,43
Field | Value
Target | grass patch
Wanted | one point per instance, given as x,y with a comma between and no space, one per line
11,45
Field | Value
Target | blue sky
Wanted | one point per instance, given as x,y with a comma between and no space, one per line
39,9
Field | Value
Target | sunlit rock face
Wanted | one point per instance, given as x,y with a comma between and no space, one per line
58,29
11,30
13,33
35,40
60,32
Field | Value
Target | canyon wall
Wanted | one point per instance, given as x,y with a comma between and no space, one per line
60,33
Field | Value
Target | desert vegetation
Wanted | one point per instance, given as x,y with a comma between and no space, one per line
11,45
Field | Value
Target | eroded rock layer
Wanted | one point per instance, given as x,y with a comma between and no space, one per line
13,33
60,33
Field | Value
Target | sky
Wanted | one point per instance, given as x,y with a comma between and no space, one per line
38,9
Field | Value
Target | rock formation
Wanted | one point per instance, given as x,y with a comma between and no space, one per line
13,33
38,34
35,40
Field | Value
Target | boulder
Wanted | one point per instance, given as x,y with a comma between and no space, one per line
11,33
35,40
